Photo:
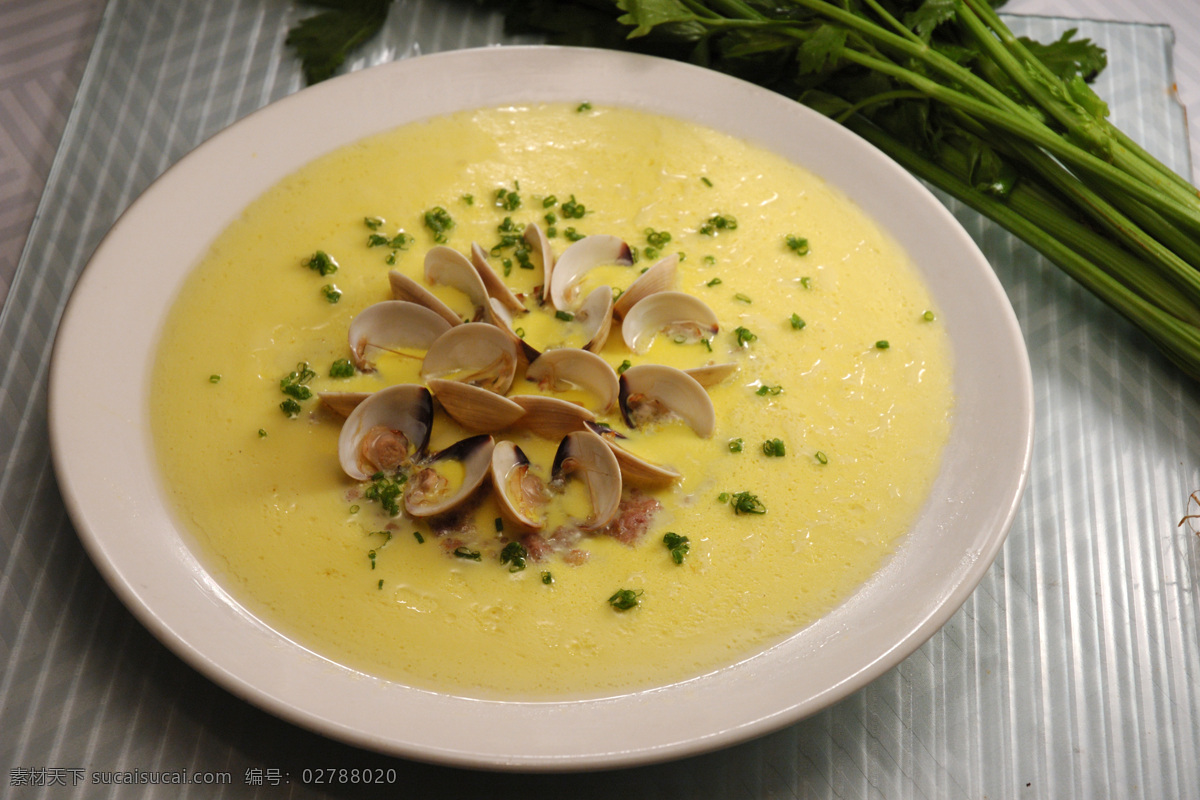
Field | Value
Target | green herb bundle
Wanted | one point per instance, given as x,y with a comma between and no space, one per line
1006,125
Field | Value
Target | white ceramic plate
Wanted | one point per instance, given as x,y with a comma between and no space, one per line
103,454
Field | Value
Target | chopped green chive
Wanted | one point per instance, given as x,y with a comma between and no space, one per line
744,336
514,554
321,263
386,491
746,503
797,244
718,222
507,199
773,448
572,209
438,221
624,599
677,545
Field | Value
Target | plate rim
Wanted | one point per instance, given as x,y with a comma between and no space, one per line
115,567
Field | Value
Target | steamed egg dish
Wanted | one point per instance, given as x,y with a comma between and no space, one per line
549,401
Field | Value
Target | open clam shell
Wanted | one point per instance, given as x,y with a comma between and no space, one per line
550,417
712,374
595,318
406,289
446,266
649,392
567,368
386,430
394,325
536,238
584,455
658,278
520,494
677,314
342,403
448,478
580,257
475,408
477,353
635,470
500,316
493,283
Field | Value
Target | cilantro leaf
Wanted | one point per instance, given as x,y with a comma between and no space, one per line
324,40
822,50
1069,57
645,15
925,19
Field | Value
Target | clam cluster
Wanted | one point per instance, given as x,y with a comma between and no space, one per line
469,366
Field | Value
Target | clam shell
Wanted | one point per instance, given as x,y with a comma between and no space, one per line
536,238
678,313
595,317
585,455
428,493
658,278
445,266
493,283
499,316
550,417
567,368
387,429
712,374
406,289
648,391
577,259
342,403
635,470
475,408
520,494
393,325
478,353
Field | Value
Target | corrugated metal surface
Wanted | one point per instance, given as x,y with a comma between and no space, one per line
1072,671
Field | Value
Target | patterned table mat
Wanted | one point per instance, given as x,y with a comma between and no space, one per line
1071,672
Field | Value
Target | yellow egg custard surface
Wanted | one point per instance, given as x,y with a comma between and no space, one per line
827,436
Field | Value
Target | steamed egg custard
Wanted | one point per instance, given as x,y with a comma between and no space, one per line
717,417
